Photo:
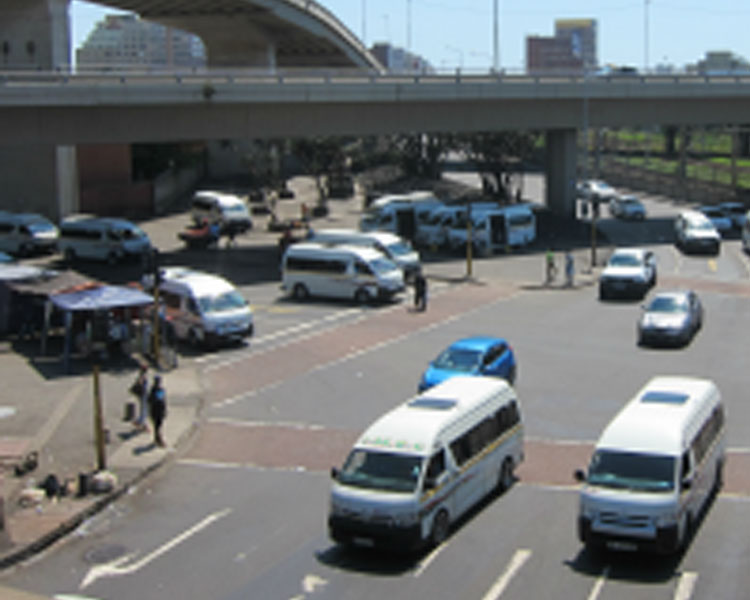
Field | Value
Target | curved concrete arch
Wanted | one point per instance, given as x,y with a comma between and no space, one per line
260,33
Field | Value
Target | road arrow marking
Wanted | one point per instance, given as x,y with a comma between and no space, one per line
118,568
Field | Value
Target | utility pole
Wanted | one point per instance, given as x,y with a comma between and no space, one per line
364,23
496,37
645,34
408,25
101,458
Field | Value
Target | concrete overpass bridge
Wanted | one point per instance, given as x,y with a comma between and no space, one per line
66,109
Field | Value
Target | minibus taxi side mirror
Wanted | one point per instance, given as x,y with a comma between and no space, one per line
686,483
430,483
334,473
579,475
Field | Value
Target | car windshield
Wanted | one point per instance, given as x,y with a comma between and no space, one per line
632,470
382,471
382,265
703,226
625,260
231,300
458,359
631,202
667,304
236,209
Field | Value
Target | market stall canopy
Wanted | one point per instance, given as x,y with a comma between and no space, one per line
44,282
102,298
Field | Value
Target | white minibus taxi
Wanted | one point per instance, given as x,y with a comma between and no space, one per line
654,468
204,309
101,238
425,463
26,233
228,210
394,247
352,272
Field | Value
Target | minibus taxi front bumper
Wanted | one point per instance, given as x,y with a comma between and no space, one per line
349,531
663,540
628,520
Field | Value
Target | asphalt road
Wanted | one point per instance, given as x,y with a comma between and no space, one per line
242,513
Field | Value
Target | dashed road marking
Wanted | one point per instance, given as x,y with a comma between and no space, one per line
515,564
599,584
686,585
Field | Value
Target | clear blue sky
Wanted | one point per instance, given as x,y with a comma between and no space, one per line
450,32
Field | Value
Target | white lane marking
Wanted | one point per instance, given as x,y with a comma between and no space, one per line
71,597
289,331
596,590
118,567
686,585
428,560
515,564
312,582
678,258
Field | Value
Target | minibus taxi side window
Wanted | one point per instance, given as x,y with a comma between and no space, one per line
435,468
685,472
362,268
192,306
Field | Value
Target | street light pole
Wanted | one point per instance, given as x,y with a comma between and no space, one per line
496,37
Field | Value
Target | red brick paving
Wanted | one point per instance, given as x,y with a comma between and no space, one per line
266,368
318,449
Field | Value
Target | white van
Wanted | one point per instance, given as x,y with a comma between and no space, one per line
399,213
432,231
424,464
25,233
228,210
694,231
203,308
494,229
654,467
352,272
101,238
395,248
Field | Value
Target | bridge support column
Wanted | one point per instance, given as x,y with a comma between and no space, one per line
561,171
40,179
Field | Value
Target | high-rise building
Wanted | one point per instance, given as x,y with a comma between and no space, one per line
126,41
571,50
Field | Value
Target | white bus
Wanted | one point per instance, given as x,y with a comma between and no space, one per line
425,463
495,229
352,272
654,468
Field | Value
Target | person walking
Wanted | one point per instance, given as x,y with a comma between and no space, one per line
551,267
569,268
157,401
420,292
140,390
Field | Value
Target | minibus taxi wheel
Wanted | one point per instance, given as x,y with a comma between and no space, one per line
361,296
300,291
112,259
505,481
440,528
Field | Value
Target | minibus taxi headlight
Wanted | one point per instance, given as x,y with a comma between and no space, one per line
665,519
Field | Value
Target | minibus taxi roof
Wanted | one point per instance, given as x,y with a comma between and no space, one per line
414,426
200,282
366,253
659,418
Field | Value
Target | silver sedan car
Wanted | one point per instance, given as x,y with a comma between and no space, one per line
670,318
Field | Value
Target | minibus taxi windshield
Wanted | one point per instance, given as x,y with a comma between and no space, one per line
231,300
399,249
383,265
40,227
632,471
382,471
130,233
